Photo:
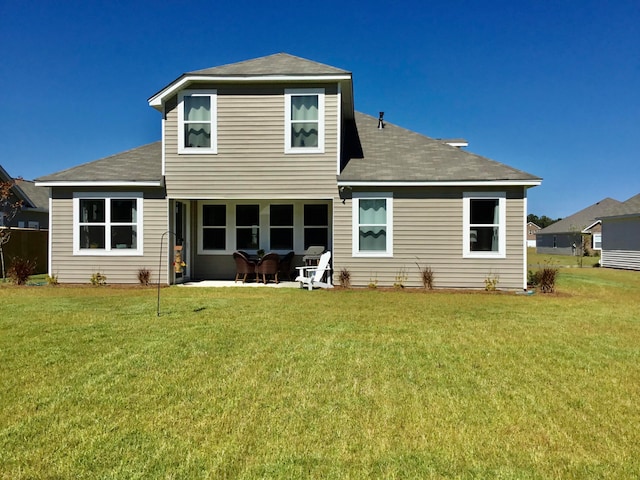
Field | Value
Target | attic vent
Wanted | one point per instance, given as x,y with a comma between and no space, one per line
455,142
381,120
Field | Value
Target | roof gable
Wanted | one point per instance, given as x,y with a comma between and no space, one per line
582,219
395,154
277,64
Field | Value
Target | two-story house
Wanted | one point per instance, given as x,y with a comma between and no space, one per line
270,154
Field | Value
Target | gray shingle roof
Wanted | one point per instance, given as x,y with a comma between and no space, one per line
628,207
38,196
400,155
582,219
142,164
278,64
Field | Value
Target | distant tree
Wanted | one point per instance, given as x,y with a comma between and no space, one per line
542,221
9,207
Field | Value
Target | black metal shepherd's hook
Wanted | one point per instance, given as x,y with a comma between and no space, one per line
160,264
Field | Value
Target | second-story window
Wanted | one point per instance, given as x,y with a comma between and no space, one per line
304,120
197,121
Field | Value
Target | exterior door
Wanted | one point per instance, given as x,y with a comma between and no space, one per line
181,262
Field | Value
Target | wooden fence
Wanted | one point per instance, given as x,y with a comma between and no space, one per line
30,244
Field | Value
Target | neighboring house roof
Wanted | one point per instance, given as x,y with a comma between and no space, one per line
139,166
535,225
395,154
32,197
628,207
38,196
584,218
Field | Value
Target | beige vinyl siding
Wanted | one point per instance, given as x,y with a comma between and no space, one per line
72,268
427,229
250,162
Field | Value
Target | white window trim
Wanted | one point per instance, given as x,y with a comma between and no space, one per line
108,251
213,95
593,240
355,223
292,92
502,226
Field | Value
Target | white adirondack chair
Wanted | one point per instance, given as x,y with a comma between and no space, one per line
311,276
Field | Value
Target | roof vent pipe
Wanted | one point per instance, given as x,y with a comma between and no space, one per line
380,120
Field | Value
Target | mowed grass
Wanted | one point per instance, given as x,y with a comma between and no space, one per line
266,383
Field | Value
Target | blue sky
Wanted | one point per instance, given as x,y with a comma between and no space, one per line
552,88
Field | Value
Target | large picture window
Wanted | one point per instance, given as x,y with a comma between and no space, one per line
304,120
484,224
107,224
373,225
197,122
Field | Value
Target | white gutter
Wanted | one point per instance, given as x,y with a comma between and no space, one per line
154,183
465,183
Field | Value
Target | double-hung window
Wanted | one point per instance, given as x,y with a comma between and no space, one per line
304,120
316,225
107,224
484,234
197,121
372,225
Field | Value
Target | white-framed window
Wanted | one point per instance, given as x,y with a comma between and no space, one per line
107,224
197,121
372,219
597,241
304,120
316,225
281,226
214,227
484,218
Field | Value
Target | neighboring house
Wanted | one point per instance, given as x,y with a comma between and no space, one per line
34,213
269,154
565,236
532,230
621,236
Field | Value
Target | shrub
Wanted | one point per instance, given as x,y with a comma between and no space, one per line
547,279
491,282
345,278
21,269
144,275
401,278
98,279
426,276
52,279
533,278
373,282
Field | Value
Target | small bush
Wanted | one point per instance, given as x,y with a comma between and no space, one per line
547,279
144,275
533,278
21,269
491,282
345,278
401,278
426,276
373,282
52,279
98,279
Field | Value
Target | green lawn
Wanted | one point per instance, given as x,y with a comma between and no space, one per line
536,260
279,383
